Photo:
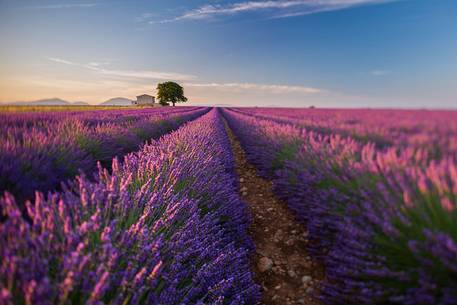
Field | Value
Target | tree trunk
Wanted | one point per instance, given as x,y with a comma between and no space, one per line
173,104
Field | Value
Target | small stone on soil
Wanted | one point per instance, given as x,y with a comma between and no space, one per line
265,264
290,242
306,279
291,273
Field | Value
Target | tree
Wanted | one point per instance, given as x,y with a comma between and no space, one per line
170,92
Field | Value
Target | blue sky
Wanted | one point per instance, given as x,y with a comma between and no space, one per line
327,53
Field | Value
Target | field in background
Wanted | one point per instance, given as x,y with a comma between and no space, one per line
41,149
160,220
9,108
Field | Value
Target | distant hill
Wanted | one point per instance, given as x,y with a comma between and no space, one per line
80,103
117,101
48,102
43,102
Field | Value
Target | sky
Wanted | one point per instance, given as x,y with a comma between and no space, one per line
294,53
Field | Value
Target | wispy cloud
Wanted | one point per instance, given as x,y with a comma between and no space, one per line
138,78
275,8
379,72
144,17
64,6
274,89
147,74
141,74
61,61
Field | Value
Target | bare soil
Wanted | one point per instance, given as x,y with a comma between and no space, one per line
281,264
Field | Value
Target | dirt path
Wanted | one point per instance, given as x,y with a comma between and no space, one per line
281,266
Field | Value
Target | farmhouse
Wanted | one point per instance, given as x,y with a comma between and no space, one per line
145,99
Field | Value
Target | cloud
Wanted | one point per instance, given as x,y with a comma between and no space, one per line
134,81
64,6
60,61
379,72
147,74
144,17
276,8
273,89
140,74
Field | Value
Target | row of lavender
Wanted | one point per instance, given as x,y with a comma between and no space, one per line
41,119
38,151
165,227
383,221
384,128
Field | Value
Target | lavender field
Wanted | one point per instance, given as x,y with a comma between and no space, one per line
375,188
39,150
149,206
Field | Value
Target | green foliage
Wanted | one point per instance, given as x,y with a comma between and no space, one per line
287,152
410,227
170,92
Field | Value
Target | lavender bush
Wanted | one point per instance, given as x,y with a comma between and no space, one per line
38,150
382,220
382,127
164,227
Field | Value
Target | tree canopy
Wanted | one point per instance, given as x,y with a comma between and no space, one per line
170,92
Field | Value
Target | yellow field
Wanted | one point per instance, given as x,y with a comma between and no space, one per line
10,108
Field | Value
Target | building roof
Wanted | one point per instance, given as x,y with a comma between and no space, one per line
145,95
